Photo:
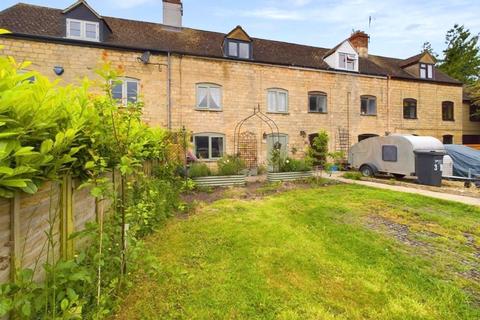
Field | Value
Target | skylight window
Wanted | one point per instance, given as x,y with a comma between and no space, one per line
83,30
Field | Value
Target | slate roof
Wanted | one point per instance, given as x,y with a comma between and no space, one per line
25,20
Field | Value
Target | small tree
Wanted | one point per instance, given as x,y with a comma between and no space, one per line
318,151
474,92
427,47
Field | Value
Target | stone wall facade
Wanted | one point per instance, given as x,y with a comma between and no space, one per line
244,88
470,128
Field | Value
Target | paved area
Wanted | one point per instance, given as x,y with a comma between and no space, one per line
439,195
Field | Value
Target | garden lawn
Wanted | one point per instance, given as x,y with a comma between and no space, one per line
335,252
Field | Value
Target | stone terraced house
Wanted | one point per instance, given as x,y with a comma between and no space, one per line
208,82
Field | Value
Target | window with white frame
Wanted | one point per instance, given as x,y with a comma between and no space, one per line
368,106
426,71
238,49
83,30
317,102
125,90
209,146
347,61
209,96
277,100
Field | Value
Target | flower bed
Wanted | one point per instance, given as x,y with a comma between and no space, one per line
229,172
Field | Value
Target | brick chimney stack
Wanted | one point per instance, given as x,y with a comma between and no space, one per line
172,13
360,40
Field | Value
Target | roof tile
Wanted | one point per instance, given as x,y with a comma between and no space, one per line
25,19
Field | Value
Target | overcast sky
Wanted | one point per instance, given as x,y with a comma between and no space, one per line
398,28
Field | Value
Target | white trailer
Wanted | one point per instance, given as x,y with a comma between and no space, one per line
394,154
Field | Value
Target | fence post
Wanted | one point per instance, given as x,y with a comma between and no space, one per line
15,236
66,219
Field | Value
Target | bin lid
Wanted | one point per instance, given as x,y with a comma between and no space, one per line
432,153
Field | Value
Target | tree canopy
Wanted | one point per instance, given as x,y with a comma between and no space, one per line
462,55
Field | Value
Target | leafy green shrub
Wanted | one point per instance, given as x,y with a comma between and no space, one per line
42,128
318,151
295,165
199,169
230,165
352,175
151,202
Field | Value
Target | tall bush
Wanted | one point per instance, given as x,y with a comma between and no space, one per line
42,128
318,151
47,131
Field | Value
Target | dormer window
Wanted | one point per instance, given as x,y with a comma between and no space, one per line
238,49
426,71
347,61
83,30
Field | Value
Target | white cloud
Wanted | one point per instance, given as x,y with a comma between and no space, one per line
398,28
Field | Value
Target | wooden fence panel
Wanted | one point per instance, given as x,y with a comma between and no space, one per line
5,244
83,212
37,213
25,222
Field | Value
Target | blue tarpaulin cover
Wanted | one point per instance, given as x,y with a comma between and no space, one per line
464,159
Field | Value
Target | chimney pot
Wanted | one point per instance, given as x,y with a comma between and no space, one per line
360,40
172,13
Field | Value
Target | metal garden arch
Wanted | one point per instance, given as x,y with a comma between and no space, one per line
257,113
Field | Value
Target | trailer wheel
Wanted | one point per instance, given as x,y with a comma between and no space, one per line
366,171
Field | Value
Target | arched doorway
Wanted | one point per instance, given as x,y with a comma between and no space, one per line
366,136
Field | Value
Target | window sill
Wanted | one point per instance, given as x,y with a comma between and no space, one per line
410,118
316,112
368,115
239,58
280,113
448,120
82,39
208,110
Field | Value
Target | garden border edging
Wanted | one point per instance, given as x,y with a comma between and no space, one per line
289,176
220,181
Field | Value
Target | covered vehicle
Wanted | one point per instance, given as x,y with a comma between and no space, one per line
400,155
466,161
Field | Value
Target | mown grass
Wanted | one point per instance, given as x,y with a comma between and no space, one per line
310,254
